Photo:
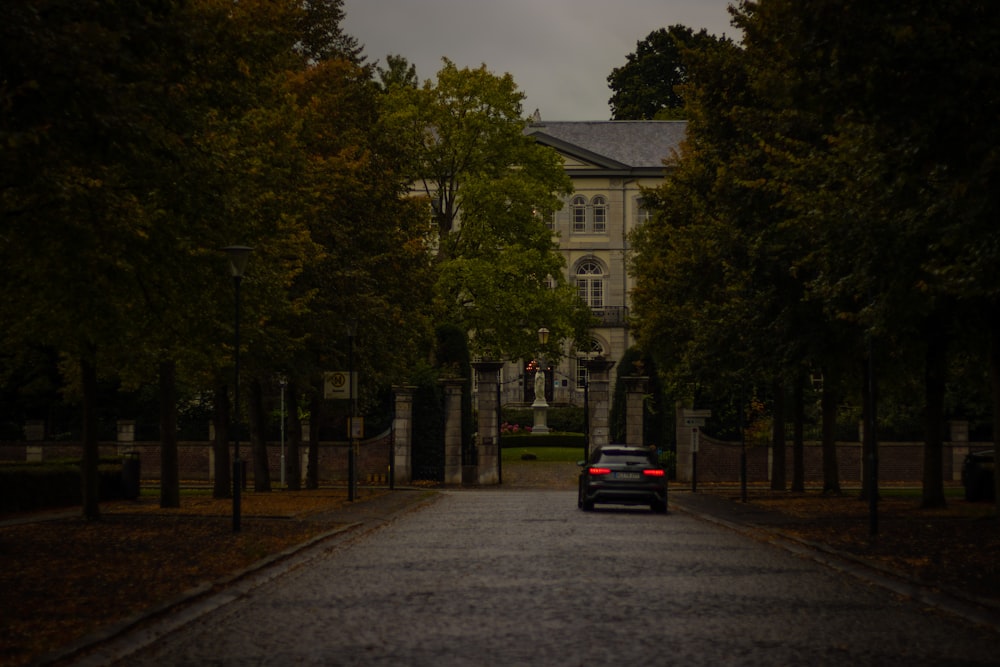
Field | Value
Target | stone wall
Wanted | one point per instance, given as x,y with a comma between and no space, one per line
719,461
195,458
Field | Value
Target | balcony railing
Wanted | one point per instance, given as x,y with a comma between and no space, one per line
611,316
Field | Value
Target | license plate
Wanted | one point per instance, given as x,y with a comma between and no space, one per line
627,475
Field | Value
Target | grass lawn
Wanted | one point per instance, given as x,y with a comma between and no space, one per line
545,454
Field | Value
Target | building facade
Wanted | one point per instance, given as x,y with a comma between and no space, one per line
609,163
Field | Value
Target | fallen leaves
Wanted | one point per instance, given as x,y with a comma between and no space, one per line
67,577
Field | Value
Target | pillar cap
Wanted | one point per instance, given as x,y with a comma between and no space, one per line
598,364
487,365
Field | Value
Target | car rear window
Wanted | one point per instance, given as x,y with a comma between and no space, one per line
624,456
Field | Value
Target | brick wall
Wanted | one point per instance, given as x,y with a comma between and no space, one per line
719,461
194,458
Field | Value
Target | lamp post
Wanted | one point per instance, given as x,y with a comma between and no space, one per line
238,256
743,448
352,472
586,414
283,381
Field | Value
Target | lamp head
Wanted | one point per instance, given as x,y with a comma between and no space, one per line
238,256
543,335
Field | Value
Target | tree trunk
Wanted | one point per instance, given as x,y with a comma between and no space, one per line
258,437
778,441
994,355
828,405
935,372
89,479
170,486
220,415
293,463
315,407
798,439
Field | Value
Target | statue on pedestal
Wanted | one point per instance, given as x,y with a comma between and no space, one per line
540,386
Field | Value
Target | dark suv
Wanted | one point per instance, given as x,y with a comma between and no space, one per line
623,475
977,475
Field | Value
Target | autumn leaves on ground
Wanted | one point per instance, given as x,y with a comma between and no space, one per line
73,577
68,578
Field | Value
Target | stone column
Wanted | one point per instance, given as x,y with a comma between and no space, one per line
959,438
453,431
635,391
34,431
126,435
599,398
488,408
402,429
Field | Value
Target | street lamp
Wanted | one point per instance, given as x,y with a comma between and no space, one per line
283,381
238,256
586,411
352,463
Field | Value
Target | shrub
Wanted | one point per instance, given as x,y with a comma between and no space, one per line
32,486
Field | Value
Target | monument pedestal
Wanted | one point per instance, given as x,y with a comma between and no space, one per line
540,408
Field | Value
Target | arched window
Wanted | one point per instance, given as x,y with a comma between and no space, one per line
596,350
600,206
590,283
578,209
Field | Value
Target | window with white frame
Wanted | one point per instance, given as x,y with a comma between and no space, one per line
590,283
578,209
589,217
599,206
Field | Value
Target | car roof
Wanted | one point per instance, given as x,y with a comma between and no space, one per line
623,449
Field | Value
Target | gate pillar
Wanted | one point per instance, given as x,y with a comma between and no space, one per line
599,401
453,431
402,435
635,390
488,408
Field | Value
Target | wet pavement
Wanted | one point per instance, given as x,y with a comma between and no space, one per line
522,577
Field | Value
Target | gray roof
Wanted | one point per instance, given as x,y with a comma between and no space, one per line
615,143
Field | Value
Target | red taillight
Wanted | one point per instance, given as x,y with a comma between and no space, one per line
599,471
653,472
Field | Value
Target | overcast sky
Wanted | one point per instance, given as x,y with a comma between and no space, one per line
560,52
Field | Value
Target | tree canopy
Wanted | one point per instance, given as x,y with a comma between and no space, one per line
489,191
649,85
827,200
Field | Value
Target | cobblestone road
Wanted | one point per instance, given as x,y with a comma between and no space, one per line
503,577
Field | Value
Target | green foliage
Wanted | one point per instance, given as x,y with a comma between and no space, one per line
551,439
428,425
488,191
650,84
635,362
828,208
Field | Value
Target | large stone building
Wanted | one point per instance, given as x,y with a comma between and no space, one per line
609,162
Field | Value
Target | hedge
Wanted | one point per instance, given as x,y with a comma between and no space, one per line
542,440
26,487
